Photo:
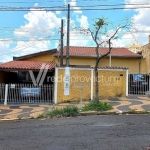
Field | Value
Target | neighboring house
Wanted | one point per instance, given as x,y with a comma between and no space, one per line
135,47
79,57
146,55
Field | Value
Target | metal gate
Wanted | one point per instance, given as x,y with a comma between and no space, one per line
25,94
138,84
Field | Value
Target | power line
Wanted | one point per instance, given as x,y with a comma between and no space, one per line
72,9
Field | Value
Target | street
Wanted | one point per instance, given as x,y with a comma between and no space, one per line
118,132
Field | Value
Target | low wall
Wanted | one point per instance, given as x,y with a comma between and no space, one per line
112,83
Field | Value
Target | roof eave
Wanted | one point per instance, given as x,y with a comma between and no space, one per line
94,56
16,69
34,54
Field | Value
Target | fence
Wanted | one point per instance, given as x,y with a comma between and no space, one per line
138,84
25,94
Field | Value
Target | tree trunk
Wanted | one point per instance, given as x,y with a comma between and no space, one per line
96,84
96,80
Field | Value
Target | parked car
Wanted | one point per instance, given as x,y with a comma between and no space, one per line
138,83
30,91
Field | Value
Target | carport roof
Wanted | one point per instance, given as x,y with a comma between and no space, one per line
27,65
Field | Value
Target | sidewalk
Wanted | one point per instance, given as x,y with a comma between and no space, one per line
122,104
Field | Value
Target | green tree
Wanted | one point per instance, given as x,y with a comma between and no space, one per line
101,28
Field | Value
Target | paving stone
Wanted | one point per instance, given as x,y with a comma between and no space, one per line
114,99
33,105
114,103
5,111
124,108
2,116
133,97
136,102
146,107
14,107
25,113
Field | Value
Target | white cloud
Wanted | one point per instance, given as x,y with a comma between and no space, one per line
73,4
36,4
84,21
141,19
78,39
65,2
58,12
5,51
39,24
32,46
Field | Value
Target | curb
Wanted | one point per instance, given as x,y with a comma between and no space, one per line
11,119
96,113
89,113
14,119
113,113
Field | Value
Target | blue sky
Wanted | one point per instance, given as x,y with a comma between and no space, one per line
24,32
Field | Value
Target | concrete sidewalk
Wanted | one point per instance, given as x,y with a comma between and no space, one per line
121,104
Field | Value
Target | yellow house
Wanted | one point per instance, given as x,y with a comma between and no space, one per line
86,56
146,55
117,65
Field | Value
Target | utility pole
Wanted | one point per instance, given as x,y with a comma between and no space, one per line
68,37
61,52
67,70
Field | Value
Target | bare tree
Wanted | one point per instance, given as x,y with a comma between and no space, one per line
100,29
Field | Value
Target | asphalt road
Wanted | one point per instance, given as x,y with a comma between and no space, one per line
123,132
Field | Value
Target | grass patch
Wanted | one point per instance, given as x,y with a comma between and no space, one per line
69,111
97,106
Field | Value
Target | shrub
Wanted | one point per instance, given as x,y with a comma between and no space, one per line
69,111
97,106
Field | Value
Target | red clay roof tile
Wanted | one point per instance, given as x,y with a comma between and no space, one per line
90,51
27,65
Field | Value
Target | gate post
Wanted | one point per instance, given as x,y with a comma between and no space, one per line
55,85
127,75
6,94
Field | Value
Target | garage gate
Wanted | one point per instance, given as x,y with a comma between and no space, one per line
138,84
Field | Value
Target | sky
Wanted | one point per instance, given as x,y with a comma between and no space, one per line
32,26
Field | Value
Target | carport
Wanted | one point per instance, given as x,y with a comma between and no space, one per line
18,86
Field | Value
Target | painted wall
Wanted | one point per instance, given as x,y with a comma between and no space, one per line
132,63
76,76
43,57
111,83
146,56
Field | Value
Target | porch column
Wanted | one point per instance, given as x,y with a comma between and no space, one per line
6,94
